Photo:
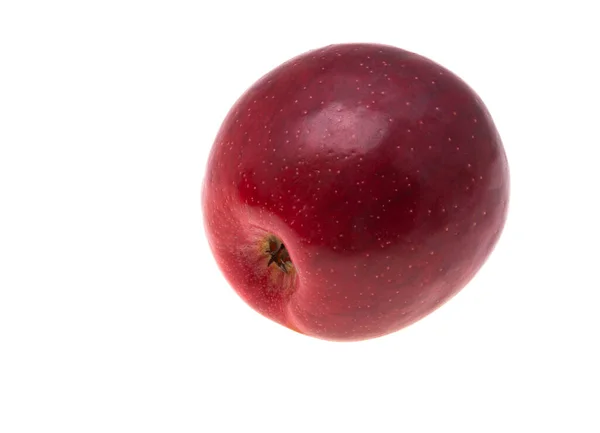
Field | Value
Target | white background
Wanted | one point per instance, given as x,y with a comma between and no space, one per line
113,314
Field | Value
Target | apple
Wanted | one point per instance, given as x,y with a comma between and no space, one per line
353,190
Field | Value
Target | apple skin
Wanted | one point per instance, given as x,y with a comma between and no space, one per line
380,171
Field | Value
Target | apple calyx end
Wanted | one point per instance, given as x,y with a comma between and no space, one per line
278,255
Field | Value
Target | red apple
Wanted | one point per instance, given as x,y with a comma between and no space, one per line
353,190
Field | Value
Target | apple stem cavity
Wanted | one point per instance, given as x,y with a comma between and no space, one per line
279,255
